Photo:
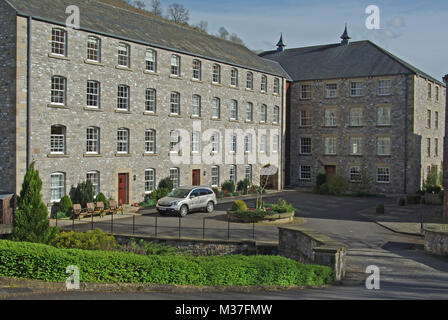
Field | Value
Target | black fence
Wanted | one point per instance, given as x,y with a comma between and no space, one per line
214,228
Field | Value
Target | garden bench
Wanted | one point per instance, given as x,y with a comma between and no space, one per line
99,209
78,212
114,208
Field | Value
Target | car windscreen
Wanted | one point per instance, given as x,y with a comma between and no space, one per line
179,193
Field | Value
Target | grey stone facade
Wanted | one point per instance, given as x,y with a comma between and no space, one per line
75,163
407,131
8,45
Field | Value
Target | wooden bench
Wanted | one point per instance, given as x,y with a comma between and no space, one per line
78,212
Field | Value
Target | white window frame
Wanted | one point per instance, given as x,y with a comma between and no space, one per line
234,110
215,142
174,141
58,140
264,113
383,146
197,70
59,90
94,49
93,140
151,100
57,188
248,143
264,83
250,81
196,142
305,92
302,146
249,112
355,141
150,141
305,118
276,115
124,55
248,172
151,60
94,178
123,141
174,177
234,77
263,143
331,90
356,88
196,105
384,116
150,180
233,173
330,117
384,174
216,108
330,145
175,65
276,86
275,143
354,171
216,73
384,87
305,175
356,116
175,103
59,42
93,94
123,97
215,176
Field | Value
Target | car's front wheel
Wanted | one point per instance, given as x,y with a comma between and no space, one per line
183,211
210,207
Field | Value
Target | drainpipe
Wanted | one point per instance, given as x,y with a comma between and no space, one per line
405,180
282,157
445,156
28,96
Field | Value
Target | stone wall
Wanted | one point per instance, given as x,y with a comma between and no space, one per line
308,246
8,98
200,247
436,239
76,117
405,89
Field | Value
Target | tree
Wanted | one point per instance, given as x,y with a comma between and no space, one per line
236,39
178,13
156,8
31,219
139,4
83,193
223,33
202,26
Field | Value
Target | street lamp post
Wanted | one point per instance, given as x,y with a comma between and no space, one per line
445,157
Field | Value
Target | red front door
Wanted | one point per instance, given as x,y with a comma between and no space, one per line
123,188
196,177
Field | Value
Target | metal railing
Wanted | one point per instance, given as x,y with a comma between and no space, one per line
156,226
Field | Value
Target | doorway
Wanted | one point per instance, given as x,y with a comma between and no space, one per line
123,188
196,177
330,171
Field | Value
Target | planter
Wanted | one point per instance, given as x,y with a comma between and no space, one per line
275,218
431,198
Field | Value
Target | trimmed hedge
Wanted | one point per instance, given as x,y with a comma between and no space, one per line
42,262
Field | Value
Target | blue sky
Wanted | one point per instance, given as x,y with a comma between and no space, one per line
410,29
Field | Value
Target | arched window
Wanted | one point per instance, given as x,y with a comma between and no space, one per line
124,55
94,49
150,141
175,65
93,140
216,108
59,42
250,81
150,180
216,73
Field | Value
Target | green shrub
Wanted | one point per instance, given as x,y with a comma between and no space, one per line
243,186
41,262
321,179
148,203
282,206
380,209
91,240
160,193
413,199
102,198
401,202
338,185
239,205
83,194
31,217
228,186
166,184
324,189
433,183
60,215
65,205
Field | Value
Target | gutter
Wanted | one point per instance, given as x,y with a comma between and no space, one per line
28,95
406,137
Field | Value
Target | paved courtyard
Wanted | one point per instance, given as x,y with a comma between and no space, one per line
407,272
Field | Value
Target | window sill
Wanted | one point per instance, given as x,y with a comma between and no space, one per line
175,116
123,155
151,155
263,92
250,90
92,155
57,106
93,109
384,155
94,63
58,156
324,126
174,153
152,114
275,124
59,57
196,80
153,73
123,68
123,111
383,125
250,122
196,117
234,120
176,77
234,87
276,94
216,84
330,155
360,126
216,119
356,155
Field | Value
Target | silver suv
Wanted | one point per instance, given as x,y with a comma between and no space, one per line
187,199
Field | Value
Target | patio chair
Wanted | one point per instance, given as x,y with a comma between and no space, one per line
112,207
99,209
78,212
91,209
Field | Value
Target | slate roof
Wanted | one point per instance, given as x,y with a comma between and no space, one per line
108,20
335,61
